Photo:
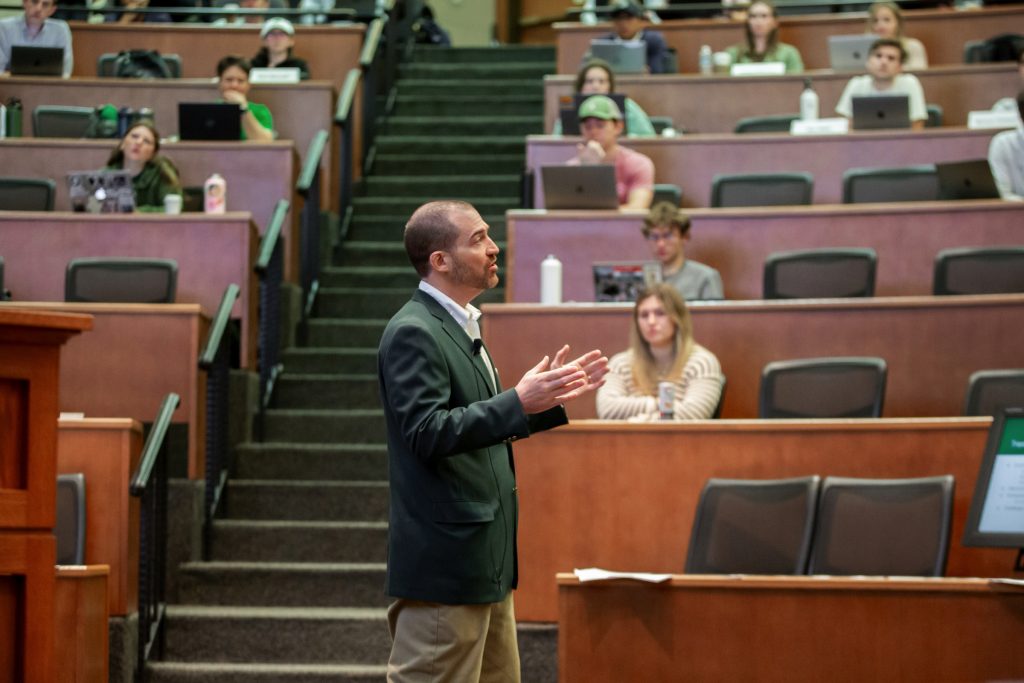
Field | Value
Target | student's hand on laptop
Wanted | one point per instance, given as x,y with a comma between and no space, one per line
590,153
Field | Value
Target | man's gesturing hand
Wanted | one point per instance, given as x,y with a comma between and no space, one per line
548,383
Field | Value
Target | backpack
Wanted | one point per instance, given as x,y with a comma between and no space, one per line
140,64
102,122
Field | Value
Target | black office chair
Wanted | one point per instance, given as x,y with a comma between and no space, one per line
777,123
660,123
53,121
882,527
667,192
981,270
823,387
989,391
1004,47
27,194
106,61
761,189
121,280
906,184
820,273
747,526
935,115
721,399
70,529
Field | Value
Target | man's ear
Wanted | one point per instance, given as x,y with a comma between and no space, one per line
440,261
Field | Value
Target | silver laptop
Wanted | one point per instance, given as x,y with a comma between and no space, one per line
850,52
625,57
624,280
101,191
970,179
871,112
579,187
36,61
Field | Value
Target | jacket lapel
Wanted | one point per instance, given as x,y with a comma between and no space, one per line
457,336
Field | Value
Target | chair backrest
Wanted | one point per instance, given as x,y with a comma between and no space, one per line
27,194
121,280
906,184
882,527
744,526
70,529
820,273
1005,47
667,192
671,61
989,391
660,123
935,115
3,292
823,387
973,51
982,270
761,189
776,123
53,121
106,61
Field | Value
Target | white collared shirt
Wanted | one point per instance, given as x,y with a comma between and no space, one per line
462,314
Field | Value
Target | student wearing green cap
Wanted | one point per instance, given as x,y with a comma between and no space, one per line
601,126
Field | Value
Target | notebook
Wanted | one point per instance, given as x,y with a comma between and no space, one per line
569,106
625,57
872,112
623,281
850,52
209,121
579,187
970,179
36,61
101,191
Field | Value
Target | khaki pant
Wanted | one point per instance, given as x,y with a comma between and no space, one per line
453,643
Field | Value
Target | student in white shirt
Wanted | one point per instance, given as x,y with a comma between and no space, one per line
35,28
885,77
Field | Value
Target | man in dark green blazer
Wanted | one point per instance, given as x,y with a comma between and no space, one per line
452,531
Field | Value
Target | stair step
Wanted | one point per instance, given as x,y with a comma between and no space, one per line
467,72
357,333
473,185
324,426
401,207
319,462
353,360
447,164
307,500
338,302
475,55
443,145
361,276
444,87
468,124
384,254
525,104
391,229
326,391
222,672
261,635
245,540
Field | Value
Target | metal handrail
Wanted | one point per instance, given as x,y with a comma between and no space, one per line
343,119
308,187
270,269
374,32
149,484
218,327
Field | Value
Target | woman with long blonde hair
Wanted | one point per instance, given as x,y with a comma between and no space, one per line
885,20
661,349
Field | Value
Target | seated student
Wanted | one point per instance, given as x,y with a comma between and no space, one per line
596,77
885,77
627,18
1006,158
601,126
666,228
885,20
153,176
233,83
35,28
661,349
762,44
136,17
278,36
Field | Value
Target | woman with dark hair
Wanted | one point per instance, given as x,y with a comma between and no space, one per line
233,83
596,77
762,45
885,20
661,349
153,176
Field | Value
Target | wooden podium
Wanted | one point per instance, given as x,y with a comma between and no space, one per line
30,345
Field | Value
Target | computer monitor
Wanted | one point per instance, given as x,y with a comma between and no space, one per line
996,517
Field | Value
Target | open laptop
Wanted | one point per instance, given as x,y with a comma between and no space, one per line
624,280
871,112
101,191
569,106
850,52
579,187
629,57
209,121
970,179
36,61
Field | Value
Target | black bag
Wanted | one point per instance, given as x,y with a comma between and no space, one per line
140,64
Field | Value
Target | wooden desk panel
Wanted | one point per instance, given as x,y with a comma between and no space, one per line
80,598
704,104
931,344
622,496
942,31
906,236
107,452
27,604
692,161
212,252
789,629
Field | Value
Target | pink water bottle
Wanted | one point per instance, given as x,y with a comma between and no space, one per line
215,194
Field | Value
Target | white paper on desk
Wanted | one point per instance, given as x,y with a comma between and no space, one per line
595,574
1017,583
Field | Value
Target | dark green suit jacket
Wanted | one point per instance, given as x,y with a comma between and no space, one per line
454,508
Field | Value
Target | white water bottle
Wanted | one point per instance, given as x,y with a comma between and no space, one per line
215,192
551,281
704,58
808,102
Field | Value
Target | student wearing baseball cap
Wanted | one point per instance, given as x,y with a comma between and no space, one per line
601,126
278,36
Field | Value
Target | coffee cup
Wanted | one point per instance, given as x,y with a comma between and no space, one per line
172,203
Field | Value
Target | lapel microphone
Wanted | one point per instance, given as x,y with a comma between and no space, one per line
477,345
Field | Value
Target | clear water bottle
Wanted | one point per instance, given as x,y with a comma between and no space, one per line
808,102
704,59
551,281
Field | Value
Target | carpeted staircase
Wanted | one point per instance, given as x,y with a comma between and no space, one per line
294,589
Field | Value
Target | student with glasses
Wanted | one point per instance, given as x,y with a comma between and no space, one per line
666,230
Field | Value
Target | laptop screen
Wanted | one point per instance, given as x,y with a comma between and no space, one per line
624,281
101,191
872,112
209,121
36,61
